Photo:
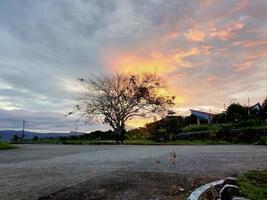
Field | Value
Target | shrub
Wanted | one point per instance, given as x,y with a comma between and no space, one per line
248,135
193,128
138,134
194,135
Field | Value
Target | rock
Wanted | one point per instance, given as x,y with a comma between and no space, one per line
229,191
230,181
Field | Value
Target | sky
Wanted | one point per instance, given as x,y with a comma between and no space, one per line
209,52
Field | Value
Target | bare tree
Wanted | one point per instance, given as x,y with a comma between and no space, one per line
117,98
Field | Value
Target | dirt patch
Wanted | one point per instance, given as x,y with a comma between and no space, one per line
132,185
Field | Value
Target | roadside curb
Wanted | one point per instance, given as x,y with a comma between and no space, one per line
200,190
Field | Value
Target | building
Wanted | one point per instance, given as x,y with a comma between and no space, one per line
204,116
256,108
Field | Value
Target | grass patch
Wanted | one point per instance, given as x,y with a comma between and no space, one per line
5,145
202,127
227,126
253,184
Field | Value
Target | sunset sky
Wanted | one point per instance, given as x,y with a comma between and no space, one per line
208,51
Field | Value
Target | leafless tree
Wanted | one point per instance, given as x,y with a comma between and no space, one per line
114,99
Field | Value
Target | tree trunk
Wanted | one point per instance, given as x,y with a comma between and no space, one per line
117,136
120,134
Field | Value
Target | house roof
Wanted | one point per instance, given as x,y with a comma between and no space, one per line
201,114
198,111
256,106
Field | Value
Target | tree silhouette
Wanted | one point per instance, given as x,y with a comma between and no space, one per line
115,99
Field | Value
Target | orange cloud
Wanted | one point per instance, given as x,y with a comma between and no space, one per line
205,49
195,35
222,34
153,62
251,43
134,64
188,53
243,67
211,78
228,31
177,57
256,43
257,55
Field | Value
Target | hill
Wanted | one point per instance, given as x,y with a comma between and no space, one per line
7,135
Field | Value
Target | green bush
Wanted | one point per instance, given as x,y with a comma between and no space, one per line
160,135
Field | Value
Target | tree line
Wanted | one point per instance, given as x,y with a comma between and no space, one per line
116,99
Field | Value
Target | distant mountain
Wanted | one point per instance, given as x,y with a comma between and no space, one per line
7,135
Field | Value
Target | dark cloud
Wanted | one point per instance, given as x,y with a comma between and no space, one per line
219,47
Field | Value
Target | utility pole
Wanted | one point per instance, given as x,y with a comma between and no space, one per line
210,118
23,129
248,109
76,130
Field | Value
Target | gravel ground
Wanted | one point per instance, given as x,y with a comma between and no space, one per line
34,171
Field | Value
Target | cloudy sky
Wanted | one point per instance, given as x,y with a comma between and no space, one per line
209,51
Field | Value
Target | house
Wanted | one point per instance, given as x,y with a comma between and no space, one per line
256,108
205,116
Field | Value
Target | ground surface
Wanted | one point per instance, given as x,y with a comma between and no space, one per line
34,171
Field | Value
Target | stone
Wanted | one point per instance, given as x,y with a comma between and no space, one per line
230,181
229,191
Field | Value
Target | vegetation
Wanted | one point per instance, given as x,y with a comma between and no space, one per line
255,124
241,132
236,112
119,98
6,145
202,127
264,109
238,124
253,184
231,127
